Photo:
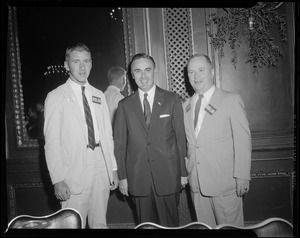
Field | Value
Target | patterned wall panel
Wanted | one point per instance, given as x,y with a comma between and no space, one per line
178,41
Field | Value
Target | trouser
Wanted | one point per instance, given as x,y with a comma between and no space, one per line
162,210
92,202
219,210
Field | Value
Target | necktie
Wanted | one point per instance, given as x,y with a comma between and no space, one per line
197,109
147,110
89,120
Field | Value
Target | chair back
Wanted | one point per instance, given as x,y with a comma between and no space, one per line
192,225
271,227
66,218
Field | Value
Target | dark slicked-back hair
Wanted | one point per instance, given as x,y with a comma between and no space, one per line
142,56
201,55
78,47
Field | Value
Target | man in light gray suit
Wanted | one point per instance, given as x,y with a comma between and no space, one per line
218,147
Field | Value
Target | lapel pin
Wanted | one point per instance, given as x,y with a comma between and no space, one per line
70,99
96,100
210,109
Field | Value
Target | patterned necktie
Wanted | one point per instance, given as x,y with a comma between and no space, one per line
197,109
147,110
89,120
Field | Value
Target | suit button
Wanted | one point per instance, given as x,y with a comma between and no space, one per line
198,162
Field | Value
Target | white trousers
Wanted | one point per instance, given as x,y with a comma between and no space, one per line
92,202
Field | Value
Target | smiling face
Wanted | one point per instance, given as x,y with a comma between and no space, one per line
142,71
200,74
79,65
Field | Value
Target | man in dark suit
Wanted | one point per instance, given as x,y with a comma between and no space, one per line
150,146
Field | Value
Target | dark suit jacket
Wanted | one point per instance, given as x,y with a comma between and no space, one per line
159,151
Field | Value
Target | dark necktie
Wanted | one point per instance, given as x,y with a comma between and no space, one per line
147,110
89,120
197,109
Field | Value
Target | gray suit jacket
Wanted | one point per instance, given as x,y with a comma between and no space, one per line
222,150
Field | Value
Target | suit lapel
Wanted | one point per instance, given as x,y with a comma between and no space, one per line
97,109
157,104
215,102
189,117
73,103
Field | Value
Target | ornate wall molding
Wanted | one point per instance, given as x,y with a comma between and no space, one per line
12,199
127,29
15,73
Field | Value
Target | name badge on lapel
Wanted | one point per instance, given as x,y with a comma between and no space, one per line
188,107
96,100
210,109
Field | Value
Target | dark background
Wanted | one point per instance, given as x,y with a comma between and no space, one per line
46,32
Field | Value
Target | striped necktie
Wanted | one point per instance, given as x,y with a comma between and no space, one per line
147,110
89,120
197,109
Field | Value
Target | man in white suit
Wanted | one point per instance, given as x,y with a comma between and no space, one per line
219,147
83,172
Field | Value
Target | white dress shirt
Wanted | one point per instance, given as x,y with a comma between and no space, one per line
205,101
150,97
78,93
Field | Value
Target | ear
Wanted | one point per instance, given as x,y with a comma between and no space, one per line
212,72
66,66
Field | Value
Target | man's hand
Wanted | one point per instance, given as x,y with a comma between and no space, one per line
123,187
62,191
242,186
115,182
184,182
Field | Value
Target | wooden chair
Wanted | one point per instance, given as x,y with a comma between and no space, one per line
271,227
66,218
192,225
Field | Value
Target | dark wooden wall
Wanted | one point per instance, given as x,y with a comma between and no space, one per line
269,100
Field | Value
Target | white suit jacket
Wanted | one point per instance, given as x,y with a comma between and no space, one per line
66,136
222,150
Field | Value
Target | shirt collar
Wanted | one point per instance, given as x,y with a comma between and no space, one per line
77,86
150,92
113,87
207,95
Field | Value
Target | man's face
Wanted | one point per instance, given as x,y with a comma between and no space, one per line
142,71
200,74
79,66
